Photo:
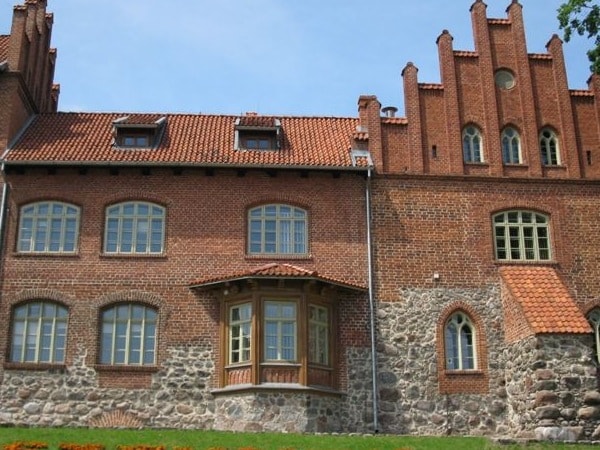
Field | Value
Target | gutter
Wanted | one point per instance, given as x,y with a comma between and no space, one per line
232,166
372,303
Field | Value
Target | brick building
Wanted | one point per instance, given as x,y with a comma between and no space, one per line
220,272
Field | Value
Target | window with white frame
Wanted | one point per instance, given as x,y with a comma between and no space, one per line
472,144
511,146
240,332
460,342
549,148
277,229
128,335
280,331
134,228
48,227
39,333
521,236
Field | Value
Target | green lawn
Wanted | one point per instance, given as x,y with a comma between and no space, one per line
203,440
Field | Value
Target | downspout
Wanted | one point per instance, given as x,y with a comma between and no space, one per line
372,304
2,210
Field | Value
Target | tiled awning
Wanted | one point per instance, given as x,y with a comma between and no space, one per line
274,271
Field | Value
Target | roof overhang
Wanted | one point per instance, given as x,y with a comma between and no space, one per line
274,271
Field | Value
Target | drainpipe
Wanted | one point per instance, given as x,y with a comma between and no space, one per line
372,304
3,210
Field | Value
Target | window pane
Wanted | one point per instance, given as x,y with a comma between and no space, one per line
527,236
277,229
129,335
39,333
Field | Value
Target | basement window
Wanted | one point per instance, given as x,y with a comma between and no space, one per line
257,133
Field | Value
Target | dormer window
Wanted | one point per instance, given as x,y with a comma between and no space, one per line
135,140
138,132
256,133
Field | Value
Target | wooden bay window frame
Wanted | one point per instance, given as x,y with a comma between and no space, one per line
258,370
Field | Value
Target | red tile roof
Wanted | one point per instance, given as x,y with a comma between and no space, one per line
275,270
540,56
3,48
436,86
581,93
465,53
545,301
196,139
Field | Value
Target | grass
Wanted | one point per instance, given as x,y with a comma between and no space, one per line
204,440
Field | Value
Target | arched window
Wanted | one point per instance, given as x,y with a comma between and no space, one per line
549,148
472,144
277,229
134,228
459,337
521,235
593,318
39,333
511,146
128,335
48,227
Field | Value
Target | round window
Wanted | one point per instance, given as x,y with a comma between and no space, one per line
504,79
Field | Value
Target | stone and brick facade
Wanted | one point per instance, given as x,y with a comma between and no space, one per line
250,298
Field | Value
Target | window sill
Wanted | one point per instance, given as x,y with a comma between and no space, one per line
265,387
45,254
133,255
33,366
541,262
477,163
515,164
279,256
464,373
125,368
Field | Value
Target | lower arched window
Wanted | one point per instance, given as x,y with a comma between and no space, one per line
459,337
39,333
128,335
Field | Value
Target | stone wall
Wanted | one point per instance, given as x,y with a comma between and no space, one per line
410,402
181,396
552,388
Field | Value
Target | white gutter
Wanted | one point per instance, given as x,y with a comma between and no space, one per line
372,304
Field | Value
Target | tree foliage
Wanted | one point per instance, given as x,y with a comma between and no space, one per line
583,18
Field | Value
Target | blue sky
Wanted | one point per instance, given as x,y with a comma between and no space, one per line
282,57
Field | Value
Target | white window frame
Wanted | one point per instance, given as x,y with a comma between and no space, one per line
240,333
39,333
511,146
472,144
125,219
125,333
48,227
319,322
549,148
521,235
276,331
277,229
460,355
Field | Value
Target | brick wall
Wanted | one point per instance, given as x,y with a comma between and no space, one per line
205,237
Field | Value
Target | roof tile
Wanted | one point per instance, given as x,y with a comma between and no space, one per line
546,303
87,138
274,270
